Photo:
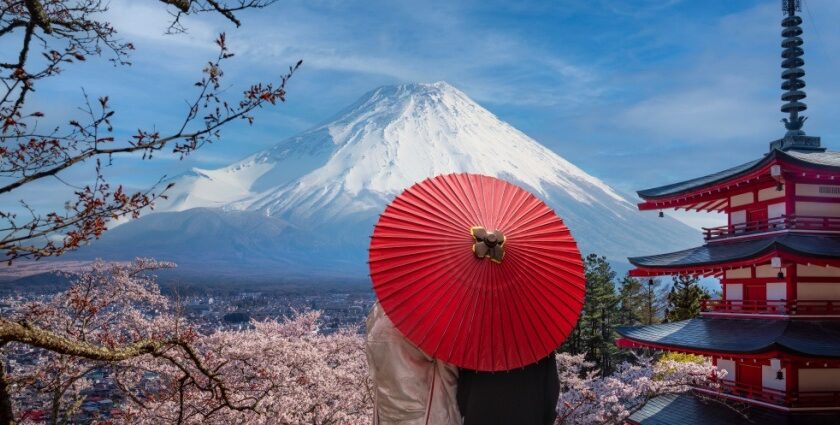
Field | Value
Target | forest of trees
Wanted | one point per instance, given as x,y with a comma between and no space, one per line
611,302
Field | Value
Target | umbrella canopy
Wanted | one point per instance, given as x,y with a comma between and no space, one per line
477,272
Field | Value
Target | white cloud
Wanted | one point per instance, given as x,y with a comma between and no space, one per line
421,46
146,22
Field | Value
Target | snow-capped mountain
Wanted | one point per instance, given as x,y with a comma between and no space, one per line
326,186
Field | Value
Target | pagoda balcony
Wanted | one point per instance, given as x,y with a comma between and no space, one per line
802,308
794,399
785,222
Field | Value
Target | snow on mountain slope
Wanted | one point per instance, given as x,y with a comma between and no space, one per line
330,183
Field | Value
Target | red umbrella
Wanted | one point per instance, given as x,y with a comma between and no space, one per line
477,272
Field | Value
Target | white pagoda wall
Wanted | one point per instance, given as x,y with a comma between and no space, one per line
817,209
819,379
817,290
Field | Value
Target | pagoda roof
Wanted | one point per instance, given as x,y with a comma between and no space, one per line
728,252
689,409
827,159
819,338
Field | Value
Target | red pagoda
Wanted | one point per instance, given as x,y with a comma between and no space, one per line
776,328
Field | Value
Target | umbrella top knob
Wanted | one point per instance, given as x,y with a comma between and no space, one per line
488,244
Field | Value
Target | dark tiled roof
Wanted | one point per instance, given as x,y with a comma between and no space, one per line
819,159
819,338
688,409
723,252
685,186
807,337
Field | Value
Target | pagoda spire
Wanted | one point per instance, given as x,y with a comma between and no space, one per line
793,73
793,84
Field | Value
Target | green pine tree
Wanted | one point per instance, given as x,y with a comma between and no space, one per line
685,297
632,302
594,334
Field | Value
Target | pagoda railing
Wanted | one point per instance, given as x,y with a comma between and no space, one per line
792,222
794,399
754,392
783,307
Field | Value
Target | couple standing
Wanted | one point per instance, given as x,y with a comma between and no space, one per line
411,388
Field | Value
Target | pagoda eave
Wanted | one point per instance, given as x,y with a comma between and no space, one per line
710,193
713,259
740,337
701,407
624,342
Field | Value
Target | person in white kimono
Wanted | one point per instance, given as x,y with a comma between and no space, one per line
410,388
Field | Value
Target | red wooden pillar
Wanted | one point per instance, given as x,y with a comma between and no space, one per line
791,380
790,279
790,197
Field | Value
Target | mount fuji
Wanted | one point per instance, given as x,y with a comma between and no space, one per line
306,206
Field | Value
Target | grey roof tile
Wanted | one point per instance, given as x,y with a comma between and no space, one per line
727,251
688,409
826,159
819,338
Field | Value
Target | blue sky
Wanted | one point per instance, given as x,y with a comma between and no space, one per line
637,93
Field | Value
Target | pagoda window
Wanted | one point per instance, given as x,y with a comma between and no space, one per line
823,379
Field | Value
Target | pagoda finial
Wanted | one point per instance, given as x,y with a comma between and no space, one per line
793,73
792,82
791,6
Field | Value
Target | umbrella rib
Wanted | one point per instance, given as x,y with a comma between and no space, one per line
445,200
512,214
462,290
467,200
536,262
427,270
450,282
466,324
438,218
539,281
517,294
530,296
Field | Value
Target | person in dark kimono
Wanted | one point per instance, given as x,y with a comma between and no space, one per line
524,396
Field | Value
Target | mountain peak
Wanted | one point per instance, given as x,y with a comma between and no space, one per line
328,184
415,93
418,88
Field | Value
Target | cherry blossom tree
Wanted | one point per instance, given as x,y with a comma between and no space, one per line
114,320
586,397
41,38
